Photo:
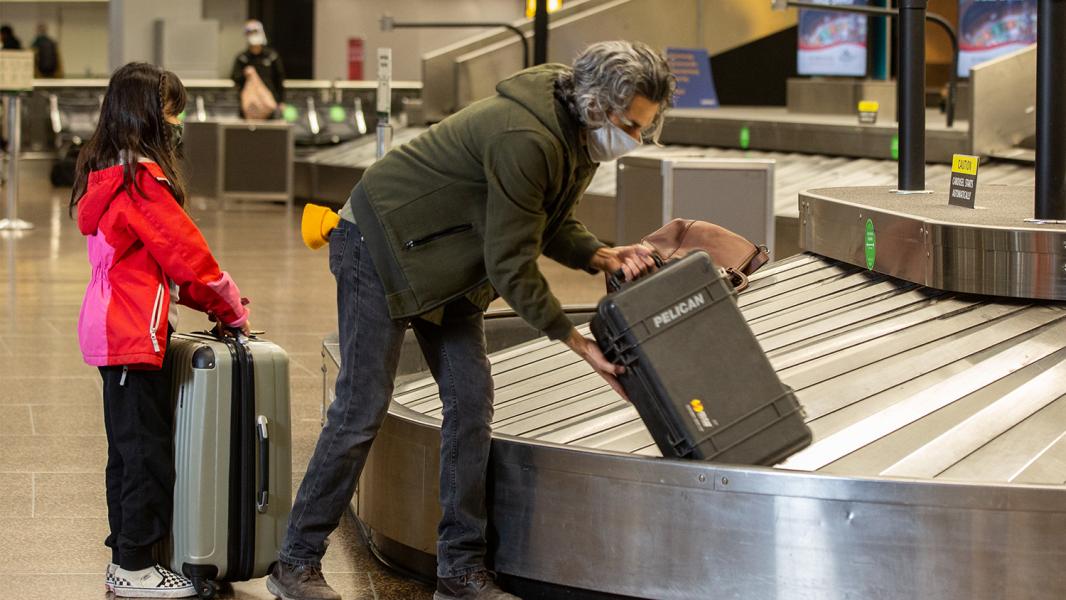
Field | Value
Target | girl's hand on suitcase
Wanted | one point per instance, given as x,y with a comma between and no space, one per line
587,349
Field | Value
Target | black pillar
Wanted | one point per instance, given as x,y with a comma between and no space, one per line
911,94
1051,111
540,33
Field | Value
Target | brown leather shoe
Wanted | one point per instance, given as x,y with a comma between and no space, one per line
299,582
479,585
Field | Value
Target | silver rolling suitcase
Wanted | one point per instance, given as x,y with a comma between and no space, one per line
232,449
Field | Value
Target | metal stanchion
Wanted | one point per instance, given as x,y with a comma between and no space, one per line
1051,112
540,33
384,104
14,143
911,94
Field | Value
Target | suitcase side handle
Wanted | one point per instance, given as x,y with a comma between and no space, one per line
262,498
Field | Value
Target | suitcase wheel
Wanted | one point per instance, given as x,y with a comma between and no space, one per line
205,588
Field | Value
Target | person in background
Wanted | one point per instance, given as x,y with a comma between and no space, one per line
264,59
47,53
8,41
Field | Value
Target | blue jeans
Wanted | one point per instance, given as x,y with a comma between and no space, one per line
370,344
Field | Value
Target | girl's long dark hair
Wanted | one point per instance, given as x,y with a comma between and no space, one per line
132,125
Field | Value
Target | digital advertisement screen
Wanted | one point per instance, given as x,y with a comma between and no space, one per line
991,28
832,43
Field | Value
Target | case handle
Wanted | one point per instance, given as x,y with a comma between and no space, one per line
262,500
618,278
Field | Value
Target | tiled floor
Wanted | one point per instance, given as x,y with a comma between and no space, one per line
52,445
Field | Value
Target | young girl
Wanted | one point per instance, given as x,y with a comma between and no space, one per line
146,254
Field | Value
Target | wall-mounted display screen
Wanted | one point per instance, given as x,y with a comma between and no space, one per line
991,28
831,42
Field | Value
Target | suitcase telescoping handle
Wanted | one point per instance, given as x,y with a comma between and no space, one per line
262,498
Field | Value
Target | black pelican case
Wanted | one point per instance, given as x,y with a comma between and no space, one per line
694,370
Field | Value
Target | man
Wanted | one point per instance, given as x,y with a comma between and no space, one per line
47,54
433,232
264,59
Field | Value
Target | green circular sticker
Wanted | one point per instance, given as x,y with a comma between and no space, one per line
289,113
745,138
337,114
894,149
871,244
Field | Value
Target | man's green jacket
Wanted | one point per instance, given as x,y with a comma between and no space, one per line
476,199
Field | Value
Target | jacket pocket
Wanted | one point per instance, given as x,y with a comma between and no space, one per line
338,242
157,311
426,239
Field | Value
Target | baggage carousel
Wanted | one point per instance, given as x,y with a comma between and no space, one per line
938,467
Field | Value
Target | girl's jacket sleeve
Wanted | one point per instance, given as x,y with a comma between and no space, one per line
176,244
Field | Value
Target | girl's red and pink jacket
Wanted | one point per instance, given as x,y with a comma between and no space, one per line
139,241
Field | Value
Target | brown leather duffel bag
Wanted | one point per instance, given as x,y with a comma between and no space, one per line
730,251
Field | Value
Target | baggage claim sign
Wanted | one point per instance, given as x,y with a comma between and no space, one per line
695,86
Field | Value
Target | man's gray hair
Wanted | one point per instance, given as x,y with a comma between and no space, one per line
606,76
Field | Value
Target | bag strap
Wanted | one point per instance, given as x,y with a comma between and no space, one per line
737,278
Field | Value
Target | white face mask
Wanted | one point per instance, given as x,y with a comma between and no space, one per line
610,142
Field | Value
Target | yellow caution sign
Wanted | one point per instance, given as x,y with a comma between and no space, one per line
871,106
963,189
964,164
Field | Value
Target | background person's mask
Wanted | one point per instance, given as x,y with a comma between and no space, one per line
610,142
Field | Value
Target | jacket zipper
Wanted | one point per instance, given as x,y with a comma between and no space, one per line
409,244
153,325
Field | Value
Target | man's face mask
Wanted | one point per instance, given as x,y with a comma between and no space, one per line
610,142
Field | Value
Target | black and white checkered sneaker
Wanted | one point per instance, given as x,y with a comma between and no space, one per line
153,582
109,576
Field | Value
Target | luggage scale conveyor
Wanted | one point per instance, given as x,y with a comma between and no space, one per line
939,417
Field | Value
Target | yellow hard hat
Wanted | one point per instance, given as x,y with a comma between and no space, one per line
316,224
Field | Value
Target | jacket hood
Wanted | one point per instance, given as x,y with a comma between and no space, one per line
102,188
534,89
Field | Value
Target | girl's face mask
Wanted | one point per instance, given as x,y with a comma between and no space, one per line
177,131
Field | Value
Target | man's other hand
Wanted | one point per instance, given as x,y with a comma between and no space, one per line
587,349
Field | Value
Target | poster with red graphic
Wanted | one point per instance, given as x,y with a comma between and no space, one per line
832,42
992,28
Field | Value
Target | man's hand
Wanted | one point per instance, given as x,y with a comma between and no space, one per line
634,260
587,349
